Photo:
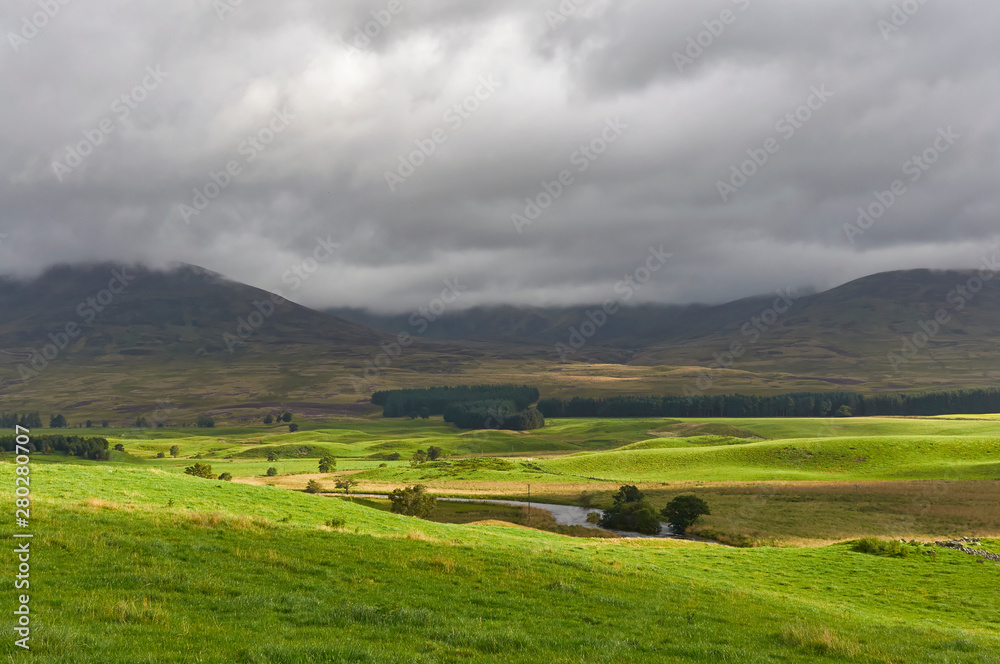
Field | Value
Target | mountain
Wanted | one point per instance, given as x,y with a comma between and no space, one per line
119,342
856,330
133,310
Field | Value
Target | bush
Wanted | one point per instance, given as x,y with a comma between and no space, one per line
327,464
205,422
200,470
412,501
335,522
313,487
268,419
160,455
175,450
683,511
272,471
631,512
226,477
878,547
293,427
119,448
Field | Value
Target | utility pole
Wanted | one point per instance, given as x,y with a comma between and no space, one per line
529,503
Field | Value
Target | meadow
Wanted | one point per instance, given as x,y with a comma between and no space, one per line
145,565
132,553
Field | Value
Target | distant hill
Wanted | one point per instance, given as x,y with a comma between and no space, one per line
162,345
186,310
848,329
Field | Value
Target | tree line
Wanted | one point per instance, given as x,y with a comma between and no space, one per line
493,414
27,420
403,403
798,404
85,448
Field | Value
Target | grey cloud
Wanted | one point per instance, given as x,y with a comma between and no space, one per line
357,111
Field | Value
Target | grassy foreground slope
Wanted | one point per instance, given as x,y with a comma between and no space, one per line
138,565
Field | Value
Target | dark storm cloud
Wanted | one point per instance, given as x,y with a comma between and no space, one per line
242,137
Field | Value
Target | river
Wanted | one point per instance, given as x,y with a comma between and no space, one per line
565,515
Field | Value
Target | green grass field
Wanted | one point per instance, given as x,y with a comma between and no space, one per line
139,565
134,561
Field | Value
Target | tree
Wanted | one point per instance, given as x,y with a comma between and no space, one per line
200,470
104,424
630,511
141,423
119,448
272,471
628,493
845,411
268,418
313,487
226,477
413,501
271,455
293,427
419,457
345,484
89,424
425,413
205,422
57,422
587,499
175,450
286,416
434,453
327,464
683,511
160,455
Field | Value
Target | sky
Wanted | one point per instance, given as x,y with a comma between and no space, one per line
367,154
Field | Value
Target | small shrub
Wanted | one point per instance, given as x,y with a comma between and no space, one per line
313,487
272,471
594,517
335,522
226,477
200,470
877,547
412,501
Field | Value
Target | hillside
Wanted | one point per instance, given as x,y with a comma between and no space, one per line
163,344
258,574
841,337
